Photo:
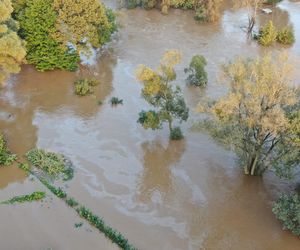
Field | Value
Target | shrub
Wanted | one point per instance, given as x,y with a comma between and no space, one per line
115,101
51,163
83,87
286,36
267,34
197,74
287,209
200,14
176,134
72,202
6,158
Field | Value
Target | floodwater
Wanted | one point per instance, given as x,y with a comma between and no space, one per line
161,195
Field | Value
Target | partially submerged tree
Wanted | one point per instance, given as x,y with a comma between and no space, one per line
259,117
168,101
12,48
252,6
196,70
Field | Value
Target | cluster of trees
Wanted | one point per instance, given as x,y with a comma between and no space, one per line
205,10
168,101
56,32
12,47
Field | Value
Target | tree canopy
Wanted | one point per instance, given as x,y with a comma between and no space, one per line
12,49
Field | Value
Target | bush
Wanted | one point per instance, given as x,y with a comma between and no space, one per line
116,101
287,209
197,74
176,134
84,86
200,14
267,34
6,158
286,36
51,163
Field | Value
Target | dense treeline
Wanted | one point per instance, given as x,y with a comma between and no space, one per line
54,33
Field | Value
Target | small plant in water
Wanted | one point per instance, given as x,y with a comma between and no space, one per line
77,225
35,196
115,101
84,86
176,134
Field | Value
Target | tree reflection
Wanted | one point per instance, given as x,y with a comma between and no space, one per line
158,161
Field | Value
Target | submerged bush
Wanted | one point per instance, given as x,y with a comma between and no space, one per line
51,163
35,196
286,36
6,158
287,209
83,87
176,134
115,101
267,34
197,74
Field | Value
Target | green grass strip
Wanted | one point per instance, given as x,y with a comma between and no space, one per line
35,196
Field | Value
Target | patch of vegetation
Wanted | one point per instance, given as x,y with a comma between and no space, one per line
35,196
267,34
77,225
287,209
116,101
286,36
196,70
100,102
53,164
71,202
109,232
176,134
6,157
83,87
56,191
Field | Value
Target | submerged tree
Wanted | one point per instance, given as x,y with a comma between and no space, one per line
259,116
168,102
12,48
196,70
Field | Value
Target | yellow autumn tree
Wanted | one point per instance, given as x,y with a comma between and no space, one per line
12,49
83,22
167,101
257,117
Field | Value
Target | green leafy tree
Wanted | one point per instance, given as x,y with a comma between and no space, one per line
259,116
168,101
37,23
12,48
196,70
287,209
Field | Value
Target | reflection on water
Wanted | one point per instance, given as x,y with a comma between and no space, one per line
177,195
157,176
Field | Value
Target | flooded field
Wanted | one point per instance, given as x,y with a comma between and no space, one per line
159,194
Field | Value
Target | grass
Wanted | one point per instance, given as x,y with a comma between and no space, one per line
35,196
53,164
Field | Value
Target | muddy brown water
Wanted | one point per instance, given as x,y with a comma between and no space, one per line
160,194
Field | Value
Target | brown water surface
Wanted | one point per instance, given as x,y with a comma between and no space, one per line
159,194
